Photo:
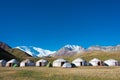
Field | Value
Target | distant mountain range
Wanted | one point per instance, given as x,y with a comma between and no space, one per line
21,52
67,50
104,48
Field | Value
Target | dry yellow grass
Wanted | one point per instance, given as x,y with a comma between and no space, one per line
81,73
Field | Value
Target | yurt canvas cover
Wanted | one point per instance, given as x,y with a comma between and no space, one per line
42,62
111,62
59,62
26,62
95,62
79,62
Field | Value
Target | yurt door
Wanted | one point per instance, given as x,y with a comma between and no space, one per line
40,64
81,64
99,63
10,64
62,63
25,64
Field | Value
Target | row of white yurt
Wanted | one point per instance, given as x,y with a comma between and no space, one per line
24,63
60,63
97,62
39,63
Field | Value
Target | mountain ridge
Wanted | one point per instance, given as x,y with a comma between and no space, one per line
70,50
67,50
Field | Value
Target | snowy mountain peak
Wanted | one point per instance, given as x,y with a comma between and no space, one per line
35,51
71,46
74,48
69,50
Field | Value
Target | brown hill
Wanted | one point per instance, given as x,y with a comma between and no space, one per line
7,53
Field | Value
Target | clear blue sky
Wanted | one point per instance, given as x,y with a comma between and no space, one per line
51,24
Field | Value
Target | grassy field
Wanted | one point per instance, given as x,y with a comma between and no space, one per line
43,73
97,54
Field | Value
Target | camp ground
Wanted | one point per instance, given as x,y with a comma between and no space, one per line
60,62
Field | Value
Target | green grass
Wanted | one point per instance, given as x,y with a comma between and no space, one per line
43,73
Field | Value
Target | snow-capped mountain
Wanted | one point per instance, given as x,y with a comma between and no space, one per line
35,51
69,50
74,48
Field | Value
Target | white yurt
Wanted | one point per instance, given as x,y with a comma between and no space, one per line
95,62
67,65
59,62
42,62
12,62
2,63
111,62
79,62
26,62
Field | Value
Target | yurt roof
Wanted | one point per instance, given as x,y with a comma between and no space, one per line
78,60
26,61
42,60
111,60
12,60
60,60
94,59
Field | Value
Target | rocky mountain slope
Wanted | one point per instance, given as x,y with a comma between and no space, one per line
7,53
69,50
